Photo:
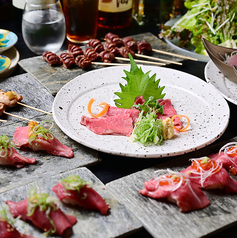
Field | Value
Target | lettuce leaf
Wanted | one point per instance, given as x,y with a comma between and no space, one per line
138,84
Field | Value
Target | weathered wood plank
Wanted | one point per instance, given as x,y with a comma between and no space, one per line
53,78
89,224
163,219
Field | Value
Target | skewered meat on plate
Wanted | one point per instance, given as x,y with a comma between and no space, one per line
83,62
96,44
67,60
130,43
91,54
107,56
114,39
111,47
51,58
75,50
124,51
143,47
10,98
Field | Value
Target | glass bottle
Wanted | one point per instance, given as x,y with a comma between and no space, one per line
43,25
115,14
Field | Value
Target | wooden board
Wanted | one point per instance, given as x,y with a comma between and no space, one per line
53,78
163,219
46,165
34,94
89,224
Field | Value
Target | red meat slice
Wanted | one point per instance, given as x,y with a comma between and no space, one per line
228,162
53,146
87,198
62,222
187,196
169,111
115,111
8,231
217,179
15,159
111,125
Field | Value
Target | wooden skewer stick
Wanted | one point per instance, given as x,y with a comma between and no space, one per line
140,61
17,116
3,120
158,59
34,108
173,54
111,64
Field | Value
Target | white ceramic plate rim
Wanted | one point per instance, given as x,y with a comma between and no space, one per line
209,113
222,84
13,42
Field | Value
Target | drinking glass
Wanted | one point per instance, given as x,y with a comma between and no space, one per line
81,19
43,25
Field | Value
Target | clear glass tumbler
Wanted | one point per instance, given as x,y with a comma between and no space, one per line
43,25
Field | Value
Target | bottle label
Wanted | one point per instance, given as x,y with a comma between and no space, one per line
115,5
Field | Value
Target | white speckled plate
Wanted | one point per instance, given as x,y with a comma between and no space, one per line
207,110
227,88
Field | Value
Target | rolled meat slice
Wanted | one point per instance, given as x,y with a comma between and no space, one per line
143,47
130,43
107,56
51,58
124,51
91,54
111,47
67,60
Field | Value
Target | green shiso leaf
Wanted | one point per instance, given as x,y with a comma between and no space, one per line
138,84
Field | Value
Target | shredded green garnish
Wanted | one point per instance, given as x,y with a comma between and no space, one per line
74,182
39,132
148,128
44,202
6,146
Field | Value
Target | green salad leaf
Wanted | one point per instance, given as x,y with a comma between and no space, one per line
138,84
148,128
215,20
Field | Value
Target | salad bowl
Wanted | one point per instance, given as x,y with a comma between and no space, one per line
218,55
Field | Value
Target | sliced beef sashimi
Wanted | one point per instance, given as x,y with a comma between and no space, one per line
62,223
209,174
83,195
176,188
112,125
15,159
51,145
8,231
169,111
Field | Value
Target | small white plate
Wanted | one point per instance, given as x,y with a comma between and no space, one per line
14,56
226,87
207,110
7,39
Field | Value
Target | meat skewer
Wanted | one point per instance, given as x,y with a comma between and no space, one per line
11,99
22,118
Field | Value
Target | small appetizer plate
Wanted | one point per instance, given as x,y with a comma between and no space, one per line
217,54
7,39
5,63
14,56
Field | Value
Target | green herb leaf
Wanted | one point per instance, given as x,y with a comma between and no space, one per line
138,84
